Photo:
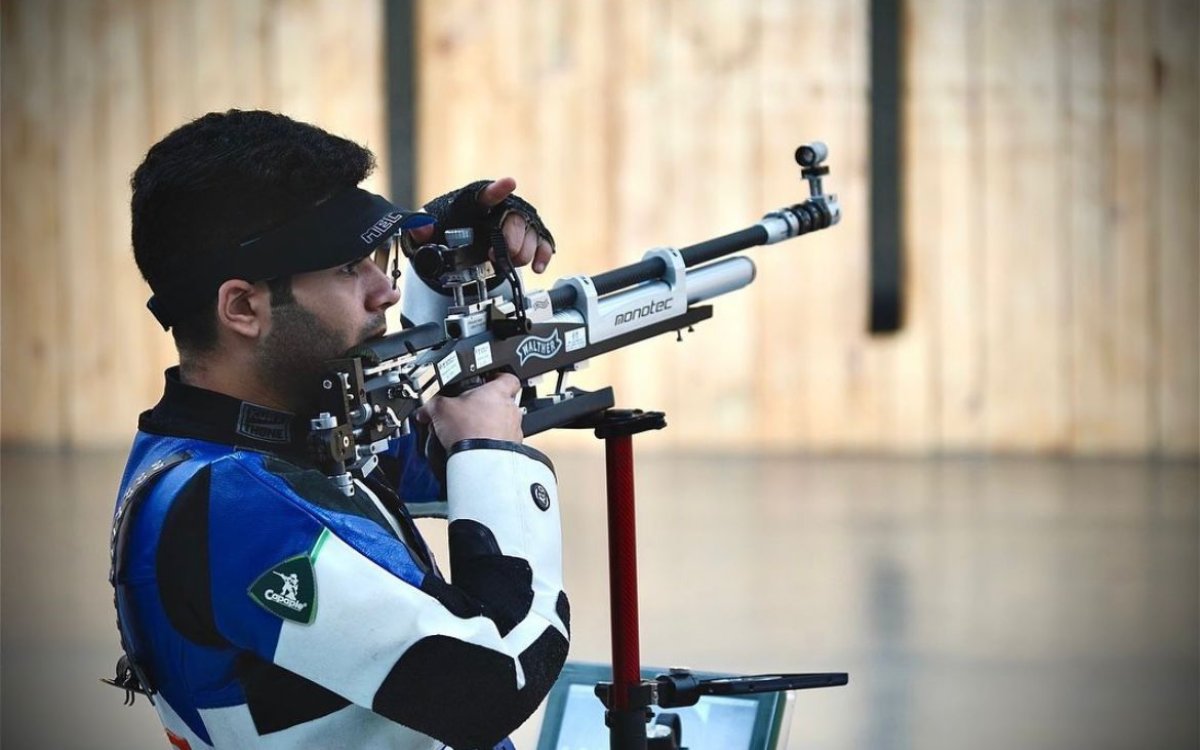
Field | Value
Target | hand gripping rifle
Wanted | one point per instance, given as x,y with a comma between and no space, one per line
369,393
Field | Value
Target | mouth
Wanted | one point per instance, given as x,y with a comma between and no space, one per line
378,333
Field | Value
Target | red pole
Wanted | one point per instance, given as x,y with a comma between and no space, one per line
622,568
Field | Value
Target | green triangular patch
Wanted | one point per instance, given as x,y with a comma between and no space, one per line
288,590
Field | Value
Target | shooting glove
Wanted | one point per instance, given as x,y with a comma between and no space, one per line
460,208
425,300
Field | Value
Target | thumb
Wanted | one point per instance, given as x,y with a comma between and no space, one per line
421,235
497,191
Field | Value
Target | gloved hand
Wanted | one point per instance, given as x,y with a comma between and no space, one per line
485,205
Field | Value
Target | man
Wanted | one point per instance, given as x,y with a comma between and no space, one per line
262,606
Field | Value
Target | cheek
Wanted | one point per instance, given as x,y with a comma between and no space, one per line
339,299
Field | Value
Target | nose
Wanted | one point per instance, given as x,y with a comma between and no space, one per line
383,293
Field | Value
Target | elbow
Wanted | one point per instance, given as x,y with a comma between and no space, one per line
466,695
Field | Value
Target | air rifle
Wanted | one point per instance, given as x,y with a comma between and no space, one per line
368,395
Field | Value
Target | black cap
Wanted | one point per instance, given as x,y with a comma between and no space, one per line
344,228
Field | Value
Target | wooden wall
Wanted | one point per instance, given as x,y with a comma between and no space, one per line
88,86
1052,186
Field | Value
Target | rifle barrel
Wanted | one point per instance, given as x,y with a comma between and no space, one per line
812,215
654,268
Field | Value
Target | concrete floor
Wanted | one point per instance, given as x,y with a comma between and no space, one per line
976,604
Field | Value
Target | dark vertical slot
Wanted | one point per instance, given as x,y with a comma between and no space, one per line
400,49
887,137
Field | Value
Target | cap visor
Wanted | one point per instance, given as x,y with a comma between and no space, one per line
416,220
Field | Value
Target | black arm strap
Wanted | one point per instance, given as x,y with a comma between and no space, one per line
131,677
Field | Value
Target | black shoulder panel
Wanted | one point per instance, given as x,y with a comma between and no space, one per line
466,695
278,699
316,488
504,584
181,564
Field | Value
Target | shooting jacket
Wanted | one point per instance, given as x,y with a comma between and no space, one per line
269,609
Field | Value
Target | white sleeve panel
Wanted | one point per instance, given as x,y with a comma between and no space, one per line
504,488
366,618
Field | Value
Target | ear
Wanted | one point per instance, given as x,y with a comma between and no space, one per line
244,308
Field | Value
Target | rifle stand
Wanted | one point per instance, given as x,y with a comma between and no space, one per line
628,698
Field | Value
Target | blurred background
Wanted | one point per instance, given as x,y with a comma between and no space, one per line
987,510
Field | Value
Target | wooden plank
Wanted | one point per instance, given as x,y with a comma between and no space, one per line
348,85
251,54
1131,388
945,215
31,266
212,25
1177,27
815,391
134,377
711,124
577,101
1025,381
85,278
571,160
1090,332
171,26
474,111
294,74
795,108
639,133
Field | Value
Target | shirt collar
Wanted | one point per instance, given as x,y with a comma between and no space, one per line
189,411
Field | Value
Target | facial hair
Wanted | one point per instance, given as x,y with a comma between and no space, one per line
291,360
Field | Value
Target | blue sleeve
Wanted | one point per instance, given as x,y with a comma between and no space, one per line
414,480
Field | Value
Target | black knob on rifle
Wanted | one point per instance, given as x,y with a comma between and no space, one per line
431,261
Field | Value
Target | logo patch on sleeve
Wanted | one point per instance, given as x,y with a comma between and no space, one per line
288,590
541,498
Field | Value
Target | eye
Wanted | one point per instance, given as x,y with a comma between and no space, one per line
351,268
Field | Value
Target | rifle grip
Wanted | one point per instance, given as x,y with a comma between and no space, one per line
462,386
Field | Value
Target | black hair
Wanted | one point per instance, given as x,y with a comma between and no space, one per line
223,178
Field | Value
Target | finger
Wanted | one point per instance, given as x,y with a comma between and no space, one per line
541,258
514,231
422,415
421,234
507,383
497,191
528,248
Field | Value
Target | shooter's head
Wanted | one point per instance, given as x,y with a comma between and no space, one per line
237,215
